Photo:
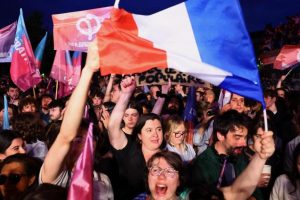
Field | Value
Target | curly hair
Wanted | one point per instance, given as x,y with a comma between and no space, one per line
30,126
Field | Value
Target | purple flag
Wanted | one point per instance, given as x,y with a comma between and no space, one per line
39,51
7,37
82,180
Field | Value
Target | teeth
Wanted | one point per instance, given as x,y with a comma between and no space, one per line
161,185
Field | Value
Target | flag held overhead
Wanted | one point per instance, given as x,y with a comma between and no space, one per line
188,37
7,36
23,70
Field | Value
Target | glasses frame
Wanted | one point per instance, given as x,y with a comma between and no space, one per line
167,172
179,134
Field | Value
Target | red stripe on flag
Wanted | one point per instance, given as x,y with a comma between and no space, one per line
122,51
289,55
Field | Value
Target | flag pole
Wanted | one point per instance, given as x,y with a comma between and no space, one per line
56,89
289,72
265,119
116,5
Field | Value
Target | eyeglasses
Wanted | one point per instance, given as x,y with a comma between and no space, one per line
179,134
168,172
11,178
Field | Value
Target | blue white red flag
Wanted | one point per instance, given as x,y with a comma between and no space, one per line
7,37
23,69
189,37
39,51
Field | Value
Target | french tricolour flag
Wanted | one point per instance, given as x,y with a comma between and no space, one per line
207,39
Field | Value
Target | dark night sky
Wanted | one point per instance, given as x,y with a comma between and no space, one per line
257,13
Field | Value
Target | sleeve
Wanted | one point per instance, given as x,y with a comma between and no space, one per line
277,189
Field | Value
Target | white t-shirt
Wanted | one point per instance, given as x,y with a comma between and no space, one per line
282,189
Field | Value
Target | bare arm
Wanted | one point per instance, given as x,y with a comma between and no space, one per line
54,161
116,136
160,101
247,181
109,88
279,83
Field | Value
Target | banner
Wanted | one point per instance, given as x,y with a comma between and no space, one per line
7,37
158,76
75,30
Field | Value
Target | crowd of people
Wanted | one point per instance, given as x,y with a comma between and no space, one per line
140,142
286,33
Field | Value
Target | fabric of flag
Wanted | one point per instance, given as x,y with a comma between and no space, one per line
64,90
23,69
39,51
81,186
76,62
7,37
75,30
62,67
66,71
288,56
190,114
224,98
188,37
5,125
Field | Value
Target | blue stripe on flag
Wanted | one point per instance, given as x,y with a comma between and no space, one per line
223,41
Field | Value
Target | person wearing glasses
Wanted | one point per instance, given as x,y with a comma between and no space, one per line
18,176
164,177
175,134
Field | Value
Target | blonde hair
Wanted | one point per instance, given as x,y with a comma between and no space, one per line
171,124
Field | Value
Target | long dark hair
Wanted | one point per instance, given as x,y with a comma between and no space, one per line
6,138
294,175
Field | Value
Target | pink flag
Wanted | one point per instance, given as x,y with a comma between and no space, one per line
289,55
82,180
23,69
64,90
60,66
7,36
75,30
76,62
66,71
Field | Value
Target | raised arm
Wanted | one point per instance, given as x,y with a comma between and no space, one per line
109,88
281,79
247,181
157,108
54,161
116,136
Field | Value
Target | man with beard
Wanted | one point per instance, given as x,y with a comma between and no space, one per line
220,163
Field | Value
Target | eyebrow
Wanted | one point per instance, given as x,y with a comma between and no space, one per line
239,135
